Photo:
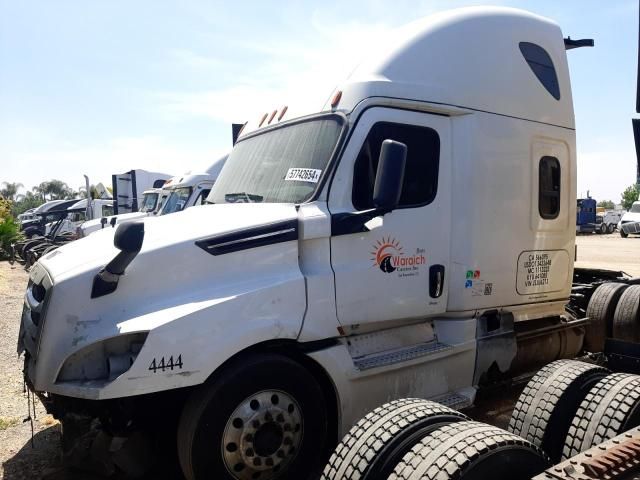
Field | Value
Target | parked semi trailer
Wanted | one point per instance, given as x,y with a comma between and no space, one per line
128,188
330,275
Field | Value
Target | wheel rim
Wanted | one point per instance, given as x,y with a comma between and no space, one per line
262,436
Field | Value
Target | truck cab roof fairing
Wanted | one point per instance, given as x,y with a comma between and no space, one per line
468,57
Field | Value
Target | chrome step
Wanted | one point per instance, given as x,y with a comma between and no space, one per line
400,355
453,400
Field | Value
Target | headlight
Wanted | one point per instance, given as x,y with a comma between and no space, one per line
104,360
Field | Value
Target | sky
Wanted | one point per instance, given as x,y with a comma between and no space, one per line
102,87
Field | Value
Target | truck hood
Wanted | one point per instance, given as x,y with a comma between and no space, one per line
161,233
630,217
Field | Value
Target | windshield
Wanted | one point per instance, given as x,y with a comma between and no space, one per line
176,201
279,166
149,201
163,198
635,208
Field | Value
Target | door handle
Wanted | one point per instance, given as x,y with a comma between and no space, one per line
436,280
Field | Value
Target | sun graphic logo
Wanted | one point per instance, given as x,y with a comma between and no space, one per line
386,254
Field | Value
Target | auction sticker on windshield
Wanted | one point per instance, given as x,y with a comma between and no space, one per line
311,175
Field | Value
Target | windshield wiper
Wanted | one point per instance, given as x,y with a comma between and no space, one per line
242,197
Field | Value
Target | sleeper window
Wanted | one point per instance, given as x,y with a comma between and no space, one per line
421,171
549,188
542,66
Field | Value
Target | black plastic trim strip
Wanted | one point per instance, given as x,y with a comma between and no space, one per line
253,237
317,345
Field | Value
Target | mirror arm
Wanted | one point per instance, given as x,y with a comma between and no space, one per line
346,223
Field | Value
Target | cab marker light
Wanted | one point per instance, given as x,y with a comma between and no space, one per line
264,117
273,114
284,110
336,99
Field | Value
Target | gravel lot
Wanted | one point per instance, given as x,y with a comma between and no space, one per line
18,460
609,251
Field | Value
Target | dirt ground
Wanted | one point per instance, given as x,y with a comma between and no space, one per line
609,251
19,460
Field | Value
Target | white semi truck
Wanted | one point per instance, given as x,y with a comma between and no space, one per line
349,257
176,194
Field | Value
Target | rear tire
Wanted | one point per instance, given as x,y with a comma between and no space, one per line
471,451
263,417
602,229
544,411
623,234
611,407
600,310
611,228
375,445
626,319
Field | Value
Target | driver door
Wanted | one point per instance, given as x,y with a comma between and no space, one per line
397,268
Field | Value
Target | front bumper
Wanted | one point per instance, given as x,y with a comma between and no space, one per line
36,299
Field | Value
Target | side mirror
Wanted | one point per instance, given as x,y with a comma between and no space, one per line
129,236
390,175
128,239
103,221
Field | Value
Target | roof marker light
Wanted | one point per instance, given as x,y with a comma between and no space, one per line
284,110
336,99
273,114
264,117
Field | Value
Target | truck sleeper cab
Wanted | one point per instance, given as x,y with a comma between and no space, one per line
347,258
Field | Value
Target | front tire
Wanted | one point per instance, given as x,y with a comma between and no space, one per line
264,417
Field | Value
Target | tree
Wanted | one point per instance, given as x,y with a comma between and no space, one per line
629,196
9,191
54,190
58,190
608,204
28,200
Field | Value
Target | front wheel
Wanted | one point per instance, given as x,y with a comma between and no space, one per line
264,417
623,234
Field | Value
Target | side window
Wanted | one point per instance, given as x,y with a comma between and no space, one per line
542,66
421,171
107,210
549,188
204,193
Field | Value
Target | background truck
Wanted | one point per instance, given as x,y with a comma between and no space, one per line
176,194
588,220
128,188
58,225
630,221
328,274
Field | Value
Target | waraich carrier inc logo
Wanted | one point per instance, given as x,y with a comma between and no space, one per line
384,253
389,256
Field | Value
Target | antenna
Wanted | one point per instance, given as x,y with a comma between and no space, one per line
636,122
